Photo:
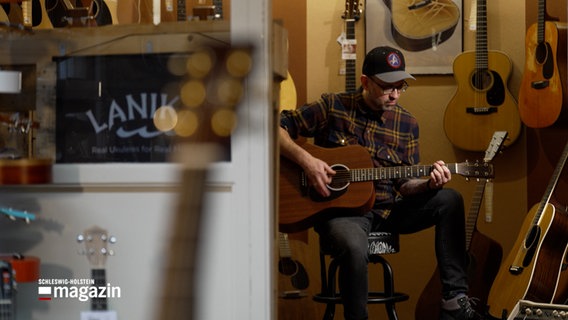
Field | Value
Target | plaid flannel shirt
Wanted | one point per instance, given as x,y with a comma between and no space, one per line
334,120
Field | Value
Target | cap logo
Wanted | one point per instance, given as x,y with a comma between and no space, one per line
393,60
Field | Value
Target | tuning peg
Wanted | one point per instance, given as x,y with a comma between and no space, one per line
80,238
112,239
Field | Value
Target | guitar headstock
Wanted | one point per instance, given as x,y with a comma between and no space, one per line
352,10
495,145
96,240
478,170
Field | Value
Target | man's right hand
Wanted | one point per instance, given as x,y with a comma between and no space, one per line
319,175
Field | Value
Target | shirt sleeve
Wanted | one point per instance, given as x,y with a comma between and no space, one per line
307,119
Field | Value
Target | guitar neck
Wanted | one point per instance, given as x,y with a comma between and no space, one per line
218,4
474,208
181,12
552,184
285,251
540,21
387,173
99,304
481,54
350,64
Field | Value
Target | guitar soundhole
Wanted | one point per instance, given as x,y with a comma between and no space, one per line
338,185
548,67
287,266
481,80
530,244
341,179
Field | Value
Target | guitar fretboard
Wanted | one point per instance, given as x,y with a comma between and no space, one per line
285,251
350,64
481,54
540,21
99,304
218,11
359,175
551,185
471,221
181,13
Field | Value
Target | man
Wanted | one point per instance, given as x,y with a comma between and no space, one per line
371,117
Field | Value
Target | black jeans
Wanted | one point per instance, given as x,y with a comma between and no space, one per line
346,238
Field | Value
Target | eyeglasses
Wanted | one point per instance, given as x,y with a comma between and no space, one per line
388,91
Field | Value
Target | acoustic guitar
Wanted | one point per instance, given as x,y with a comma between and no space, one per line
421,25
293,270
482,103
484,254
352,186
532,268
540,93
78,13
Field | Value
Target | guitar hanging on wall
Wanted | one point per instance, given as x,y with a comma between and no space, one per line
484,253
482,103
348,43
540,93
291,268
422,25
532,268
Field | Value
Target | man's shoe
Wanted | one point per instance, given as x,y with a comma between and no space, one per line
464,311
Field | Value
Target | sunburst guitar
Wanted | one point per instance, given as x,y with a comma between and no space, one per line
482,103
540,94
421,25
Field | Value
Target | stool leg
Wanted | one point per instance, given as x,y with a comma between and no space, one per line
329,312
331,289
388,277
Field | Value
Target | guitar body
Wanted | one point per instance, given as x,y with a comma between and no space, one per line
540,259
15,14
298,209
112,6
417,28
101,11
485,255
482,103
3,15
540,94
351,188
134,11
45,22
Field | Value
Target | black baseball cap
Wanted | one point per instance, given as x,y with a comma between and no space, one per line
387,64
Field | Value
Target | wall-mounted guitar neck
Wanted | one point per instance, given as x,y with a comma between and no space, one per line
349,44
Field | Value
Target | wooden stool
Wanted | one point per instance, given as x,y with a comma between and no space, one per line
380,243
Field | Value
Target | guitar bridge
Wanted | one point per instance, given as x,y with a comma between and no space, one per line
516,270
539,84
481,110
